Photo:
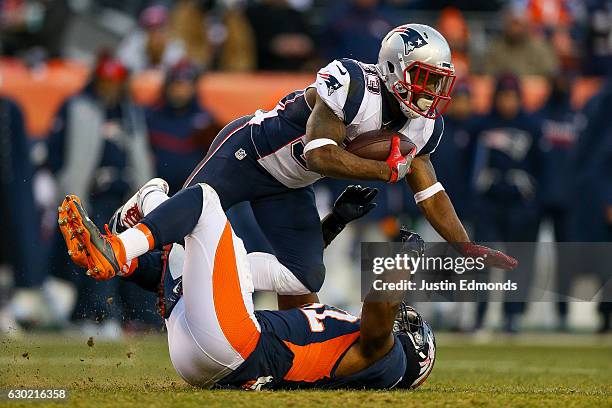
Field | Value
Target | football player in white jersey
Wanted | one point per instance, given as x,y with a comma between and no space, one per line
414,66
271,158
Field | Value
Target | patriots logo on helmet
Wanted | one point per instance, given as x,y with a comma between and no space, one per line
331,82
412,39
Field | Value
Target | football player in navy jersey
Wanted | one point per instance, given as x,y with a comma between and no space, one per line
271,158
215,336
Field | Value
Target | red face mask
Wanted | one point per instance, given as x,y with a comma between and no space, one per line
425,89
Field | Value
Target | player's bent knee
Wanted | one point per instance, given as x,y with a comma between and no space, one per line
270,275
313,278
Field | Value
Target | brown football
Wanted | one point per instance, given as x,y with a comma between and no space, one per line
376,144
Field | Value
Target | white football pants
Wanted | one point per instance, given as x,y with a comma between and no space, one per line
212,329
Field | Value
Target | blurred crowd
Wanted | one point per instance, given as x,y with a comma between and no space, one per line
527,37
508,171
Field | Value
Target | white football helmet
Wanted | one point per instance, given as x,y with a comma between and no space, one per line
415,65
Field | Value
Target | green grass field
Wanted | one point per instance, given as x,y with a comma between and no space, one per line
531,371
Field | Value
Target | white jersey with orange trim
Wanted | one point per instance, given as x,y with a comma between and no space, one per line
354,92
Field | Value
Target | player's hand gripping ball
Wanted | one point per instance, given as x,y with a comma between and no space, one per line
385,145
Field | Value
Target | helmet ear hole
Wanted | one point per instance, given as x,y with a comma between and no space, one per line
390,67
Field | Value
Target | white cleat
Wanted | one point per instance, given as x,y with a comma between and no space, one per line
130,213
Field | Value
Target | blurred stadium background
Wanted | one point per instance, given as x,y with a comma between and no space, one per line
159,79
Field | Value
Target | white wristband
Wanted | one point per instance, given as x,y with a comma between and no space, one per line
428,192
316,143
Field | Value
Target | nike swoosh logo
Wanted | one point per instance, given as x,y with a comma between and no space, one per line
340,69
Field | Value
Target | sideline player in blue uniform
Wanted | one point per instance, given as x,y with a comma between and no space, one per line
271,159
215,336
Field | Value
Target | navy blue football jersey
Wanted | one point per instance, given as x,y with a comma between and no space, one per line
302,347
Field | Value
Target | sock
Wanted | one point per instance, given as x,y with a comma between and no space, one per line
135,242
151,199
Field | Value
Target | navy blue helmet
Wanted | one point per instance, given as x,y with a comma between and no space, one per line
419,345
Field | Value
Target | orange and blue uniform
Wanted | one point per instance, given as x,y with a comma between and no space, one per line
301,348
215,336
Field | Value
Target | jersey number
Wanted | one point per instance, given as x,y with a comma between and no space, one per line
297,152
315,319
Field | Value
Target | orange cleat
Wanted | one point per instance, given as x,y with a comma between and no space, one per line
103,255
75,250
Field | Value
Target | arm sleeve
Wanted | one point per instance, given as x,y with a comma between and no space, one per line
341,85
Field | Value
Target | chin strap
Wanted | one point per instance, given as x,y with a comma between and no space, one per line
409,113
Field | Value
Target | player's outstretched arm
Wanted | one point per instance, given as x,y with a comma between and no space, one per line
380,308
441,214
331,160
378,315
438,208
375,339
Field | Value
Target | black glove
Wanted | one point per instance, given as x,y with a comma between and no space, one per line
353,203
413,243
